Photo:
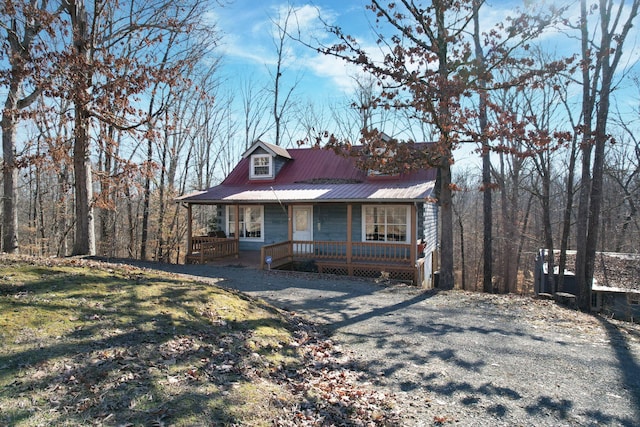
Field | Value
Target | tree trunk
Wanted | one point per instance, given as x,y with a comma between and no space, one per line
9,178
584,287
446,280
608,58
85,241
546,218
566,220
146,202
487,204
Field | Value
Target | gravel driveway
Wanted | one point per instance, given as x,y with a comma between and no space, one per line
462,358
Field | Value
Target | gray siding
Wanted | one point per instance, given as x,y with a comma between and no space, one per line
278,164
430,238
430,227
330,222
276,224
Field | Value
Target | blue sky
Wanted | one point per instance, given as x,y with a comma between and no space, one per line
249,50
249,53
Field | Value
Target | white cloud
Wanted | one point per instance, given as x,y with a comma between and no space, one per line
337,70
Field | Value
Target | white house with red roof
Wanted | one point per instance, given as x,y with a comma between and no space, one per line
316,206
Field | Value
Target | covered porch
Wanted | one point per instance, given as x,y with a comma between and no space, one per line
374,259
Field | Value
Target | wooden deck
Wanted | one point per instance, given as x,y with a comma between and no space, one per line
363,259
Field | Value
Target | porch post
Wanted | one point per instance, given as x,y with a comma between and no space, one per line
413,249
189,229
349,242
236,207
290,231
290,222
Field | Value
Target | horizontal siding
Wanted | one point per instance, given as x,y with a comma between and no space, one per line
430,227
330,222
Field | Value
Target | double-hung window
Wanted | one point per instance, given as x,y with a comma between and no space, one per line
385,224
251,222
261,166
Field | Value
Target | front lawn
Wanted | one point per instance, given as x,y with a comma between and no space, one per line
86,343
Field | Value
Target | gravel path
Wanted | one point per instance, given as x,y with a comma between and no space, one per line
462,358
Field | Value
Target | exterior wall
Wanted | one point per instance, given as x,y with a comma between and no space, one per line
618,306
276,226
430,240
430,227
330,222
278,164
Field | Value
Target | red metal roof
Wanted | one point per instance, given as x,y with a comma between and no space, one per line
317,175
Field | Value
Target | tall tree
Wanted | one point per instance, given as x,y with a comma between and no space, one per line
82,82
106,82
22,22
427,68
599,64
487,204
281,95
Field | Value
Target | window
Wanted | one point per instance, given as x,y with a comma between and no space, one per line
386,223
261,166
251,222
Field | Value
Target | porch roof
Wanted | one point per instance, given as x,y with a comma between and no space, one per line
381,191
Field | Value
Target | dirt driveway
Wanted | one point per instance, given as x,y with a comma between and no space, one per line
465,359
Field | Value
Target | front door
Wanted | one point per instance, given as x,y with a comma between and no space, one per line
303,228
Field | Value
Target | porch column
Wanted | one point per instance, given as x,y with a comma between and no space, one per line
290,230
290,222
349,242
236,207
189,229
414,229
413,250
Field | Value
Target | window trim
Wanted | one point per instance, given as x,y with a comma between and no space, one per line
252,173
408,224
230,232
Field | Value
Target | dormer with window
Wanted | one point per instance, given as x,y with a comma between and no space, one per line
265,160
261,166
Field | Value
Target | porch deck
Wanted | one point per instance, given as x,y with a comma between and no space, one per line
362,259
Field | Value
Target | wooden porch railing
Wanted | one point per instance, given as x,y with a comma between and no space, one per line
280,253
382,255
205,248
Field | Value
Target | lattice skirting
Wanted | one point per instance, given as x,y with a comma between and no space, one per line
374,272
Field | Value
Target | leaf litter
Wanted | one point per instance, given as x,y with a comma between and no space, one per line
90,343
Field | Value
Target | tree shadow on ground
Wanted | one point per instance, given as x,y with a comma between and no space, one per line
628,366
132,357
398,339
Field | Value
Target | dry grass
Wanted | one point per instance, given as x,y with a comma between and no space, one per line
84,343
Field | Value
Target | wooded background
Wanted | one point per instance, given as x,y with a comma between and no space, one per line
113,109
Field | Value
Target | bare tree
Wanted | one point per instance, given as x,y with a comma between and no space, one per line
254,106
281,96
599,65
22,22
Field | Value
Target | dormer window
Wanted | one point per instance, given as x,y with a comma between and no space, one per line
261,166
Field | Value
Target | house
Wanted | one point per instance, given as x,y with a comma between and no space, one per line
615,291
317,206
